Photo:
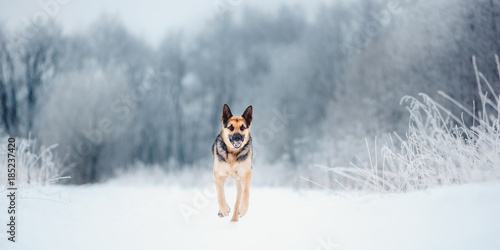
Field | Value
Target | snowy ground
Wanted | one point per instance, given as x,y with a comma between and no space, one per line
113,216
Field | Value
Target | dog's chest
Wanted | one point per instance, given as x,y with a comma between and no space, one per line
232,171
232,164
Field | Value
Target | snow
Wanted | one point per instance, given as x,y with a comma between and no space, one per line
115,216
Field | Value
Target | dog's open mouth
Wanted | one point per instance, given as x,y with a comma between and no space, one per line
236,140
237,144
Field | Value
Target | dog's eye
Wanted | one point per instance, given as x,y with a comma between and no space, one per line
231,127
242,128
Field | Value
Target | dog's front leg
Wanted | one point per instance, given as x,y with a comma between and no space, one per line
238,202
245,185
221,198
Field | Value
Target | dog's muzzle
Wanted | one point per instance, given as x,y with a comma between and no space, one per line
237,140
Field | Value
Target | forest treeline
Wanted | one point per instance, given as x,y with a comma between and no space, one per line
319,85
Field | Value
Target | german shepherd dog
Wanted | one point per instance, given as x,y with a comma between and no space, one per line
232,150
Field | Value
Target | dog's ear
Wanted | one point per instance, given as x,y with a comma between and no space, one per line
248,115
226,114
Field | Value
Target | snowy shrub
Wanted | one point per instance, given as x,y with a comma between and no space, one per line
31,168
439,147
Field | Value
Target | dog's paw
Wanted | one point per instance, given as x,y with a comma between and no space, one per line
243,209
223,212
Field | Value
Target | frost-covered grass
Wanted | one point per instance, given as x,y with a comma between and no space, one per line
439,147
32,168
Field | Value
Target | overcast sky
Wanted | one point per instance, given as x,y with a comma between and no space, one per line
147,18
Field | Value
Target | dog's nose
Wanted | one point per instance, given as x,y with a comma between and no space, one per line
237,137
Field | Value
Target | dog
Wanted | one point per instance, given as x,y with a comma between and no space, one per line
232,150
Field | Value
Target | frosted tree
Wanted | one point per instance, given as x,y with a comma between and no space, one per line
172,61
214,61
112,45
8,87
39,58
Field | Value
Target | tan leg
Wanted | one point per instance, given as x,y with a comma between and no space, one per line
221,198
245,184
237,204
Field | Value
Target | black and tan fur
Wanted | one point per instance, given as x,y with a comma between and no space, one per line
232,150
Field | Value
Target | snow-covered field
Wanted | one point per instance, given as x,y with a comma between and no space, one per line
115,216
